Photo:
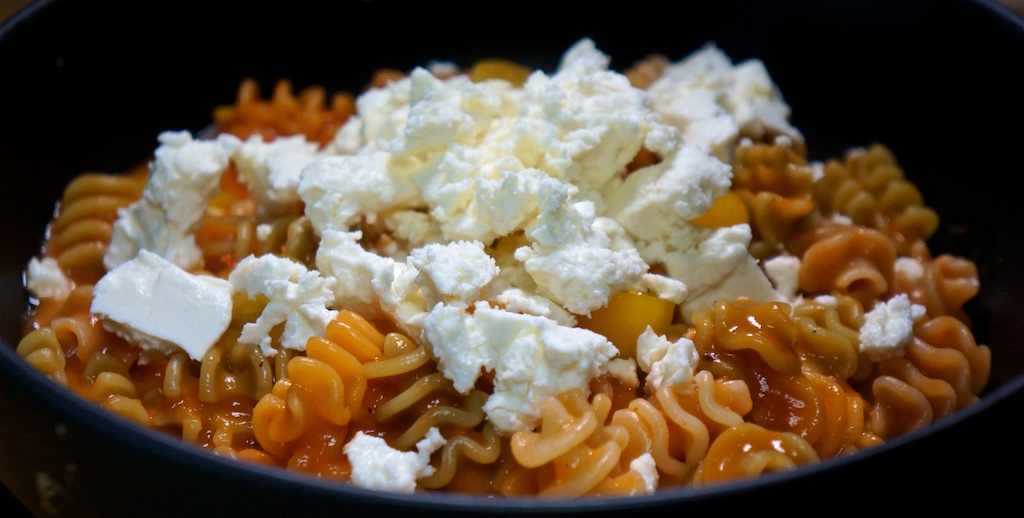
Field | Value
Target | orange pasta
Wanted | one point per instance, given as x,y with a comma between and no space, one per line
743,385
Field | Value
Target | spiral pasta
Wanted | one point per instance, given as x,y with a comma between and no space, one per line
765,383
870,188
774,181
81,230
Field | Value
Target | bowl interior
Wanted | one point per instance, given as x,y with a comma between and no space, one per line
89,86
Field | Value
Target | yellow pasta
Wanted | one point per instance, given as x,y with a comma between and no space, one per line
748,450
774,182
869,187
83,224
775,384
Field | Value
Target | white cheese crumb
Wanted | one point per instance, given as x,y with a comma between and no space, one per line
572,261
712,101
44,278
720,267
531,357
910,268
340,189
348,139
452,272
624,370
378,466
519,301
369,284
656,203
185,174
889,327
666,287
410,229
271,170
297,297
666,363
647,468
783,270
158,306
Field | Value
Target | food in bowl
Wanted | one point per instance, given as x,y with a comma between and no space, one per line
509,282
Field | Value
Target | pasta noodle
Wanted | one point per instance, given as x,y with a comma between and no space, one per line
775,385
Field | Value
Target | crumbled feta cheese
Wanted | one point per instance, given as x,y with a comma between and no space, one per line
720,267
340,189
44,278
910,268
469,179
348,139
410,229
297,297
647,468
382,114
624,370
264,231
665,287
520,301
572,261
271,170
185,174
378,466
585,123
666,363
156,305
712,101
783,270
341,257
889,327
443,68
452,272
532,358
656,203
369,284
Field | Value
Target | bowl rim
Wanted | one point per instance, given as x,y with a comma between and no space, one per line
21,372
154,442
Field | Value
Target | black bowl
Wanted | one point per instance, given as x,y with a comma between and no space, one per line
88,85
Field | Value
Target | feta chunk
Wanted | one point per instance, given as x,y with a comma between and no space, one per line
656,203
44,278
720,267
532,358
338,190
520,301
910,268
369,284
157,306
410,229
713,102
889,327
624,370
665,287
378,466
585,123
185,174
666,363
271,171
297,297
783,271
647,468
572,261
453,272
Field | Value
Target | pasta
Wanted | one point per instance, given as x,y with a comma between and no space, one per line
730,388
